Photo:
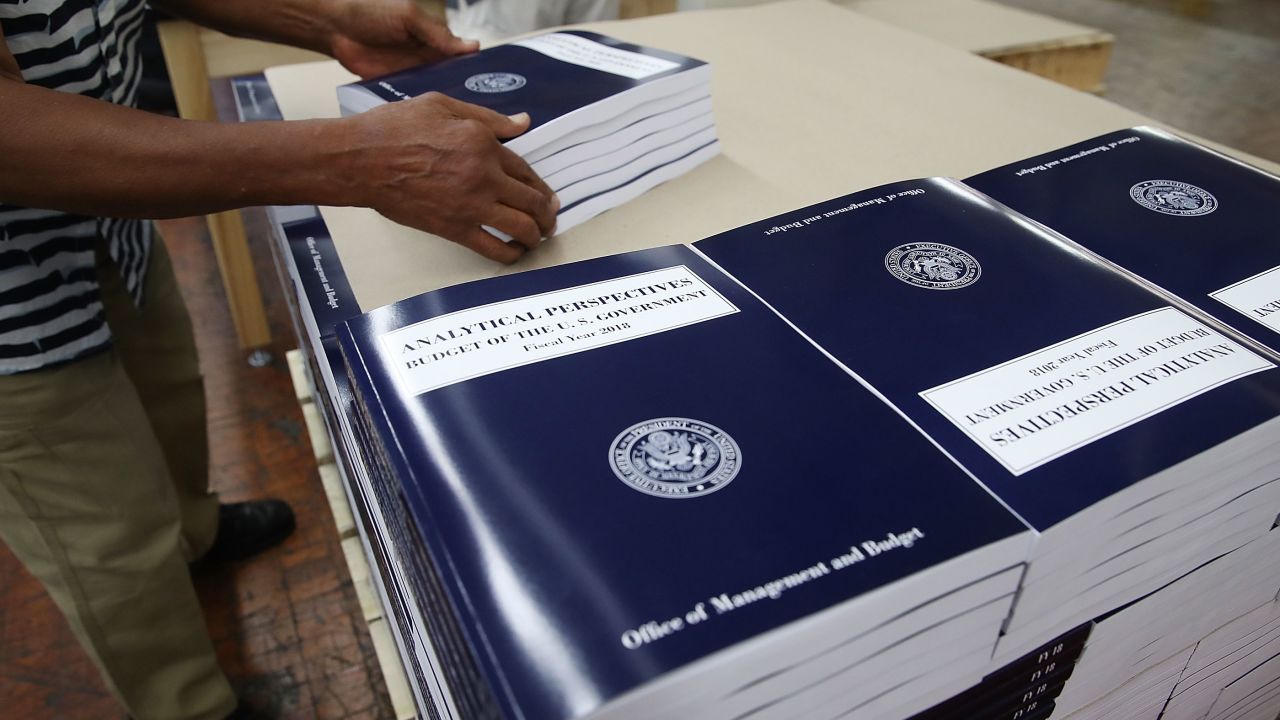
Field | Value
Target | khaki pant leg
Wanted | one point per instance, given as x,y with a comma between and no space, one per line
87,505
156,346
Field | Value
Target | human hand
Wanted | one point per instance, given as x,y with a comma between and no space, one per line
436,164
376,37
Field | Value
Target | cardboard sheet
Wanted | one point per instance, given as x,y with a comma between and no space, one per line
976,25
812,102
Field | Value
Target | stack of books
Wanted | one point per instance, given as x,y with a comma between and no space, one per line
1022,690
323,299
1142,697
609,120
1233,671
1251,697
1094,406
761,539
1128,642
1190,225
318,279
804,468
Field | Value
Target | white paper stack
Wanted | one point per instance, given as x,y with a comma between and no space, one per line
894,669
1256,696
707,622
1225,659
610,120
1147,536
1139,440
1142,698
1127,643
922,656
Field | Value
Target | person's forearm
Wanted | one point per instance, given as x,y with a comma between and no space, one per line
76,154
302,23
369,37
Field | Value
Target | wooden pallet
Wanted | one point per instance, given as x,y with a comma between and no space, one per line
1065,52
1079,62
371,609
1071,54
640,8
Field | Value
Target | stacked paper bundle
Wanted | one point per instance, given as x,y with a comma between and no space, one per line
691,544
1142,698
1233,673
1221,615
1158,529
1126,643
312,270
1256,696
610,120
471,405
1190,225
1022,690
1091,406
321,299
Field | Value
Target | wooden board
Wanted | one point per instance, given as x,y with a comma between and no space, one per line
1078,64
640,8
1065,52
397,682
978,26
336,494
1072,54
319,435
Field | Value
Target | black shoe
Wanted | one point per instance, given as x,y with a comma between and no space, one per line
243,712
248,528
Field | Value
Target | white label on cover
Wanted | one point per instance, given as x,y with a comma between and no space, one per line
504,335
1040,406
578,50
1257,297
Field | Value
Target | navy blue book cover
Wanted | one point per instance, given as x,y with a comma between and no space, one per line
1196,223
1054,379
454,663
547,76
324,281
254,99
626,464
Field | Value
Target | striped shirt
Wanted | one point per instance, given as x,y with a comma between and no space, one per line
50,306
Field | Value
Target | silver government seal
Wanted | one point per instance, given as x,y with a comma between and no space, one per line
933,266
1173,198
675,457
495,82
